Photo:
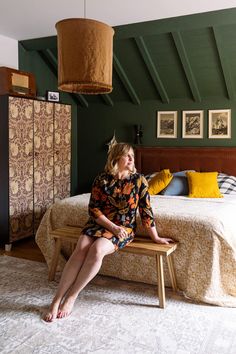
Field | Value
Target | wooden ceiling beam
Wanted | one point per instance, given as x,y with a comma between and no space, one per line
107,99
52,56
223,63
186,66
46,59
152,69
125,80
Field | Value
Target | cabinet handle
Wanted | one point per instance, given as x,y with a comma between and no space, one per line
57,152
36,154
30,153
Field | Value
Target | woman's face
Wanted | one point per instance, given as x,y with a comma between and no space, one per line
126,162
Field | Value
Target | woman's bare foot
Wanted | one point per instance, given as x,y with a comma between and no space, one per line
51,314
66,308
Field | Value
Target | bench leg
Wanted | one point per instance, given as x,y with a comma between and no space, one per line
172,272
160,279
53,267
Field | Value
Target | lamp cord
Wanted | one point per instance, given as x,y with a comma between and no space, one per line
84,8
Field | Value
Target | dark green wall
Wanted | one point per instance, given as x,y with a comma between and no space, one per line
195,69
96,126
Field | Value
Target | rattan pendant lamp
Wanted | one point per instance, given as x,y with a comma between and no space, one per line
85,50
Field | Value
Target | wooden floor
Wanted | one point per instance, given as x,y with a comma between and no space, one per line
26,249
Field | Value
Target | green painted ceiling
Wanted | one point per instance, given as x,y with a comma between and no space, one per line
185,57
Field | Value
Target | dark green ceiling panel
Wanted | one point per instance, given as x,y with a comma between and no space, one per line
119,92
131,59
226,36
188,57
166,60
205,62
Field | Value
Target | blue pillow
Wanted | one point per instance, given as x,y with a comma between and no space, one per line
182,173
177,186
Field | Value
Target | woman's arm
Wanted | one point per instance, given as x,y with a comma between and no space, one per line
144,205
152,232
146,214
96,200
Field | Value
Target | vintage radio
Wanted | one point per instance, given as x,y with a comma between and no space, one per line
16,82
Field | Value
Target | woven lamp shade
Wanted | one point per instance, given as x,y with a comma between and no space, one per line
85,50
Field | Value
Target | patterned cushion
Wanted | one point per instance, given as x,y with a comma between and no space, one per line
226,183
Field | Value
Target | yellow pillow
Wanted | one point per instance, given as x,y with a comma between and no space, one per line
203,185
159,182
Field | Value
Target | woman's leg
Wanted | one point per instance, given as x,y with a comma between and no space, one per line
93,261
69,274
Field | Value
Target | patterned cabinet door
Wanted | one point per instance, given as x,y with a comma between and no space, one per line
43,159
20,168
62,151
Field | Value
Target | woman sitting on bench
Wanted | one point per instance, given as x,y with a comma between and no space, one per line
116,195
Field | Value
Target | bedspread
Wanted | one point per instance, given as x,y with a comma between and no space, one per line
205,260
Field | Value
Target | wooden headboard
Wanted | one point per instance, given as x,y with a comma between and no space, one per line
152,159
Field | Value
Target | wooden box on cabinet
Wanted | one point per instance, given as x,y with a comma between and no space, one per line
35,162
16,82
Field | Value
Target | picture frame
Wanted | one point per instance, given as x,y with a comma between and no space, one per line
192,124
219,124
167,124
53,96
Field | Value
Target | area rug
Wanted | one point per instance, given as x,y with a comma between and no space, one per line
110,316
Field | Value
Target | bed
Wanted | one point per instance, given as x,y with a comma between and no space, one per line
205,260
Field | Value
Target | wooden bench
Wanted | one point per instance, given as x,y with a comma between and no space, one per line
140,245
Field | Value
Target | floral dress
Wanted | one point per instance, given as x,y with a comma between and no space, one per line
118,200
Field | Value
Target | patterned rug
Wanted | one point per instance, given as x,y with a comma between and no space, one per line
110,316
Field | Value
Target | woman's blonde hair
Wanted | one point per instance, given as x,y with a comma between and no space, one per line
116,152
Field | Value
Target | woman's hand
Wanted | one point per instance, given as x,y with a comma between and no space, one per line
120,232
163,240
152,232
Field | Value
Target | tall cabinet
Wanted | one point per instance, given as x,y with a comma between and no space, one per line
35,162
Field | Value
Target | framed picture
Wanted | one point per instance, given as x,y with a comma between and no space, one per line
192,124
53,96
167,124
219,124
